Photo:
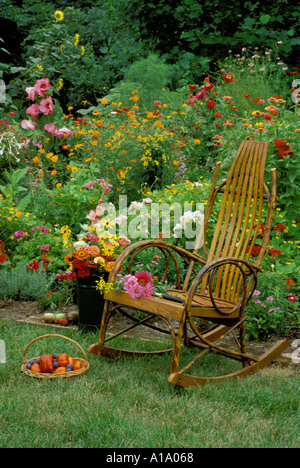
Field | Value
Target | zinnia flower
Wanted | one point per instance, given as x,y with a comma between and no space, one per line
228,78
211,104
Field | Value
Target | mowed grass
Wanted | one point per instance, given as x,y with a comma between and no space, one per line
130,404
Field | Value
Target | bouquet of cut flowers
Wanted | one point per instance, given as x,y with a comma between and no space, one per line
97,248
93,255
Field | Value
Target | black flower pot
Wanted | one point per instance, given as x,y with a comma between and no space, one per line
90,303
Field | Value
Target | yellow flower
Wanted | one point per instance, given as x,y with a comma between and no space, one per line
54,158
82,50
36,159
59,16
76,39
58,185
104,101
75,169
60,84
197,142
54,172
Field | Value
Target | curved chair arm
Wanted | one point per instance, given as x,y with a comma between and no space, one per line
167,248
213,266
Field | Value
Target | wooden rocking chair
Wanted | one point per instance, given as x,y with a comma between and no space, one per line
215,288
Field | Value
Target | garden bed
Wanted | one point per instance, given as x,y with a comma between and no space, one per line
28,312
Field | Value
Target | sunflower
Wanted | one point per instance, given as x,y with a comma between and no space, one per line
59,16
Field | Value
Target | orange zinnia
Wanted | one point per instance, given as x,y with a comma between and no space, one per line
81,254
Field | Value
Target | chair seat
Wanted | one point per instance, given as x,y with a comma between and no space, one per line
202,305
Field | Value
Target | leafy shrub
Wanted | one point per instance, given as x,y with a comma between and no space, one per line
23,284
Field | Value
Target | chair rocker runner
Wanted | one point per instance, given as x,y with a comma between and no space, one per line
217,286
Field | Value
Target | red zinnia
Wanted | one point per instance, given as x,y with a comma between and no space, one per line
3,257
283,148
228,78
210,104
254,251
274,252
279,227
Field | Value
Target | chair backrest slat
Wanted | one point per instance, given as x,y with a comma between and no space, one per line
240,216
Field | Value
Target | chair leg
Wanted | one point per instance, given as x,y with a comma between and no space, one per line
97,348
182,330
184,380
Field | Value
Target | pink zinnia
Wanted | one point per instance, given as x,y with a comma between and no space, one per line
135,290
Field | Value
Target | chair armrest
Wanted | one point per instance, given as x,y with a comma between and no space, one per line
167,248
213,266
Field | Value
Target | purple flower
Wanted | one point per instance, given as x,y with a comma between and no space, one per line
270,298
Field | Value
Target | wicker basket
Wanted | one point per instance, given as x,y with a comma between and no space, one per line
53,375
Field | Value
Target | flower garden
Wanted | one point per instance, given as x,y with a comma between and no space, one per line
58,169
110,135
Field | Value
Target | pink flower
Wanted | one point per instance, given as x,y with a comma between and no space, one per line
143,278
51,128
31,93
157,103
292,298
64,132
41,86
29,125
46,106
33,110
45,248
148,291
38,144
19,234
200,94
135,291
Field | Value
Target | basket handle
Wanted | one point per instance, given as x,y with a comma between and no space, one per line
52,335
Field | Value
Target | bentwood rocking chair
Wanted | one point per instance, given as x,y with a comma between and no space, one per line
216,287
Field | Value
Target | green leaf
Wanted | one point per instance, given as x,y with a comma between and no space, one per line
264,19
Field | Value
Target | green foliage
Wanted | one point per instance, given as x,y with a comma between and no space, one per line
272,309
22,284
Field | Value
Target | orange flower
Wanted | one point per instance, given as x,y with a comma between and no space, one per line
94,251
81,254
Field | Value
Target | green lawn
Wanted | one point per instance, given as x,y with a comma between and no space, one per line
130,403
